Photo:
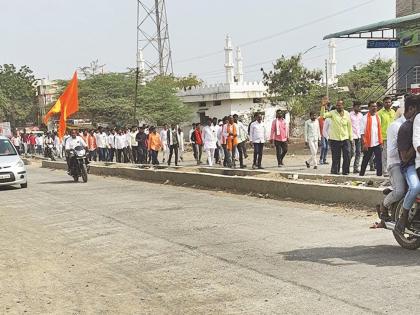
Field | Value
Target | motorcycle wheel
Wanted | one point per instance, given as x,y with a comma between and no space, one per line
84,173
76,178
406,241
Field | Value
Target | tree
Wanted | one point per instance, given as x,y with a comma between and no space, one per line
159,104
17,94
188,82
109,98
290,82
367,81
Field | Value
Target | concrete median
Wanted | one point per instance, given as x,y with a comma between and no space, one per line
270,188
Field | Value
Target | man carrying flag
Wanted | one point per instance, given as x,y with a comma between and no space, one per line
67,105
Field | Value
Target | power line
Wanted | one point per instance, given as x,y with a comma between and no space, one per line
280,33
220,73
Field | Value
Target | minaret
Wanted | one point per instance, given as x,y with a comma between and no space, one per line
332,63
239,66
140,65
229,60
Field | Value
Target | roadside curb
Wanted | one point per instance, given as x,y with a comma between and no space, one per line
268,188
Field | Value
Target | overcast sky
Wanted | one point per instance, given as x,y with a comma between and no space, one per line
54,37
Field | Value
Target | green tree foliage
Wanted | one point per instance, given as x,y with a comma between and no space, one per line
364,79
159,104
109,98
17,94
290,82
188,82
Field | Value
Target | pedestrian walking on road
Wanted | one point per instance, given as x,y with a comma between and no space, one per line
231,136
356,146
209,141
141,139
341,136
173,143
257,138
279,136
372,139
387,116
242,139
197,139
164,139
312,138
154,145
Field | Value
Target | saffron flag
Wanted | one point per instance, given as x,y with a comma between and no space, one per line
67,104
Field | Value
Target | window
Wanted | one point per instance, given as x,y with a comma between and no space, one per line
202,104
217,103
6,148
257,100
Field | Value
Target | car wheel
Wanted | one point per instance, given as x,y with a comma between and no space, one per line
24,185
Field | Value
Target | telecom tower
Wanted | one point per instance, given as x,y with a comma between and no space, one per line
153,38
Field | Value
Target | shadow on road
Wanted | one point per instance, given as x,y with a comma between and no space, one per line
8,188
380,256
58,182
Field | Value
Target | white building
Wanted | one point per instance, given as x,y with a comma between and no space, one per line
235,96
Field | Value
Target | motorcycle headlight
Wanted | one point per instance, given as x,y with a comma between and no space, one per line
81,153
20,164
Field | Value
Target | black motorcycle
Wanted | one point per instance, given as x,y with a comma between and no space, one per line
411,237
78,164
49,152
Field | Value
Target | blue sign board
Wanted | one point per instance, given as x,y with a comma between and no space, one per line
383,43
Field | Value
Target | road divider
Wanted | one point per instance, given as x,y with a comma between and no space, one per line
248,184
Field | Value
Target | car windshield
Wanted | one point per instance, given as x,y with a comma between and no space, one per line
6,148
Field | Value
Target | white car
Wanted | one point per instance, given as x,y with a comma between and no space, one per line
12,168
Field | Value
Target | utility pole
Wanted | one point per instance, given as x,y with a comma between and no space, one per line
153,37
152,42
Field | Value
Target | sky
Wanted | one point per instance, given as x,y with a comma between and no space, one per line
55,37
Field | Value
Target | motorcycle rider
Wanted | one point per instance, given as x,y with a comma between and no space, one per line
398,182
71,143
48,141
408,162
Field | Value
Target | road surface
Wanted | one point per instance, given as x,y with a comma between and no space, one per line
115,246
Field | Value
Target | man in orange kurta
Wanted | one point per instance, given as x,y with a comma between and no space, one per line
154,145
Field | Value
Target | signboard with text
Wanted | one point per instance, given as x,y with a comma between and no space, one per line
383,43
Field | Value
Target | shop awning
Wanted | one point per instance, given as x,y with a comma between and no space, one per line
386,29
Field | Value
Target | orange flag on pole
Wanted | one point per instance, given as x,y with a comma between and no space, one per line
67,105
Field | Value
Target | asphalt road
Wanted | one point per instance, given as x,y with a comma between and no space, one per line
114,246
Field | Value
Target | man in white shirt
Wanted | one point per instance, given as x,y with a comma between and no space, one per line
71,143
257,137
134,150
209,141
102,143
111,145
356,118
164,139
58,146
371,139
312,137
120,145
242,138
16,142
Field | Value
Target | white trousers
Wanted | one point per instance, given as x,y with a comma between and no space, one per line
210,156
165,149
313,147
